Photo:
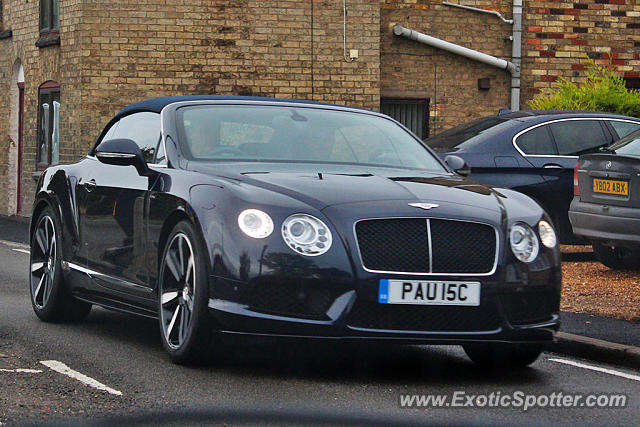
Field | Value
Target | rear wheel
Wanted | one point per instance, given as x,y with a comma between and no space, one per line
183,294
617,258
50,297
499,356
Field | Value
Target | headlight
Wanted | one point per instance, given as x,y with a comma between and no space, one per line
306,234
547,235
255,223
524,242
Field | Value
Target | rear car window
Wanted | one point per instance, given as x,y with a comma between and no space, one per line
537,141
628,145
451,139
576,137
624,128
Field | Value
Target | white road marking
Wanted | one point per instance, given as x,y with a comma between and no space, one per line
24,371
65,370
598,369
23,251
14,244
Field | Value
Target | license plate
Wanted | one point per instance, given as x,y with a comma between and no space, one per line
608,186
429,292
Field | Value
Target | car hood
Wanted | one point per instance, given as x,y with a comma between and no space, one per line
324,185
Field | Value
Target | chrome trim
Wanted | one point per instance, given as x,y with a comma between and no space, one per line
154,165
427,219
98,275
273,103
515,145
430,244
116,155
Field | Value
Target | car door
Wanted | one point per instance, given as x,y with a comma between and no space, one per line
569,139
112,202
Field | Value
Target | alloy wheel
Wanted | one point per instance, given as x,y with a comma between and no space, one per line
177,290
43,262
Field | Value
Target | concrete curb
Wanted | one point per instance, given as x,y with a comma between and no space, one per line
595,349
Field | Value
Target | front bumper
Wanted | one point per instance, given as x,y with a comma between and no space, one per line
618,226
518,304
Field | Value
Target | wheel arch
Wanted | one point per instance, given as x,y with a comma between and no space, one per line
43,201
182,213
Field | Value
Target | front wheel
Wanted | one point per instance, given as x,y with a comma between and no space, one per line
617,258
498,355
50,297
183,295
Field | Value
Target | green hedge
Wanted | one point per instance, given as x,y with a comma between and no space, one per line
604,90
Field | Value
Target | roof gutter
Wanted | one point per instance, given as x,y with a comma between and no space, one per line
512,67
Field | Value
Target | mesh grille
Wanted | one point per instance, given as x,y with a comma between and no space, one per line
530,307
290,299
402,245
462,247
394,244
422,318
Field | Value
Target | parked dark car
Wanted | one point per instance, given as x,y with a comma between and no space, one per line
606,206
283,218
534,152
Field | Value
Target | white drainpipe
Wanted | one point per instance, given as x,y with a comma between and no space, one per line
516,55
512,67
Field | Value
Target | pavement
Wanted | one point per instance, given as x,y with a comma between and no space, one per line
284,383
14,229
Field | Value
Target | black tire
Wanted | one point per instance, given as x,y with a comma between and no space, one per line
50,297
183,296
617,258
501,356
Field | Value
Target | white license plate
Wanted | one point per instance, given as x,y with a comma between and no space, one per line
429,292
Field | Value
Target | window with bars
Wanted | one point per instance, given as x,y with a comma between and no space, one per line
413,113
48,124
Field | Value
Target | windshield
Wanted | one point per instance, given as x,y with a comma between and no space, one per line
452,139
628,145
298,134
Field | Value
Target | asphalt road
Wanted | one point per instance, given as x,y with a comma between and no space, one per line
272,380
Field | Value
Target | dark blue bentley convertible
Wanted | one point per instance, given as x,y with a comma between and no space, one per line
534,152
257,216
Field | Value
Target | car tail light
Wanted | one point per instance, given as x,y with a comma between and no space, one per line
576,186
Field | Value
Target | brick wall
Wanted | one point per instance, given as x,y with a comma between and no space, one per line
560,35
135,50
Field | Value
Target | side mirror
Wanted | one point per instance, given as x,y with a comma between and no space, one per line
122,152
458,165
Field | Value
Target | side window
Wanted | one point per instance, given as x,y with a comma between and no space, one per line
576,137
144,129
624,128
537,141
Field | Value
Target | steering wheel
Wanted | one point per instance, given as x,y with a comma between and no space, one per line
226,152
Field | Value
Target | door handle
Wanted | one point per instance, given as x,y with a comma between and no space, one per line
552,166
90,185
